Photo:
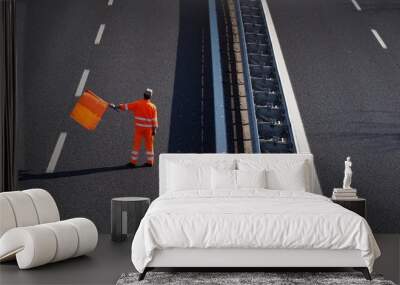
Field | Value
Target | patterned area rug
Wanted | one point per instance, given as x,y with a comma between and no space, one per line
243,278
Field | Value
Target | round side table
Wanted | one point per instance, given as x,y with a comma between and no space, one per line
126,214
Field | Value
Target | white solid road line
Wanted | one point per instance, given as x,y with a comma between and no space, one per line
358,8
379,39
110,2
56,153
82,83
99,34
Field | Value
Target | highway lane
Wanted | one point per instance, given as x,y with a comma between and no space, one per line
384,16
347,87
141,46
56,43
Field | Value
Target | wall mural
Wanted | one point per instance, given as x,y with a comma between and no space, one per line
81,85
88,131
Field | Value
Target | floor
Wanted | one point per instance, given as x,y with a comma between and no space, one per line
111,259
389,262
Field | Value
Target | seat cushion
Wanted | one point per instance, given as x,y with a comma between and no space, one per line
40,244
7,220
87,233
67,240
23,208
32,246
26,208
45,205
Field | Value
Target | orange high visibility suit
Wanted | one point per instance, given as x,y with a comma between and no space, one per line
145,114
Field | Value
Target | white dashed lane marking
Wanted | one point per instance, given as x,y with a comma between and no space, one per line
56,153
379,39
61,139
82,83
99,34
358,8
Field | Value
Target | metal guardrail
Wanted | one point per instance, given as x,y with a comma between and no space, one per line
221,145
296,129
284,104
255,139
269,122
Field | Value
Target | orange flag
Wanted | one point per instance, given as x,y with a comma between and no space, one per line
89,110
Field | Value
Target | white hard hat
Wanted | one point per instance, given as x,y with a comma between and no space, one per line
149,91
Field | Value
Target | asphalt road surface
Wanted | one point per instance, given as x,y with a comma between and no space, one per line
347,87
145,43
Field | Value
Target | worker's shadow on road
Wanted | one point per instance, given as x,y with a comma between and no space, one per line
24,175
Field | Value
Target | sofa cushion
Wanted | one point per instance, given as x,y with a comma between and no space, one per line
41,244
46,207
26,208
7,220
23,208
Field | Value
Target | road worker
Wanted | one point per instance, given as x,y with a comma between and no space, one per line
145,115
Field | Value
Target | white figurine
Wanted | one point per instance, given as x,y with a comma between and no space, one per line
348,173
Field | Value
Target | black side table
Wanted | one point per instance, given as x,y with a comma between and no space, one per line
126,214
358,206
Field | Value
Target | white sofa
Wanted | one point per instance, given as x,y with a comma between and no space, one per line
31,231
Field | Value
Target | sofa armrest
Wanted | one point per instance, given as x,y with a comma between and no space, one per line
32,246
41,244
